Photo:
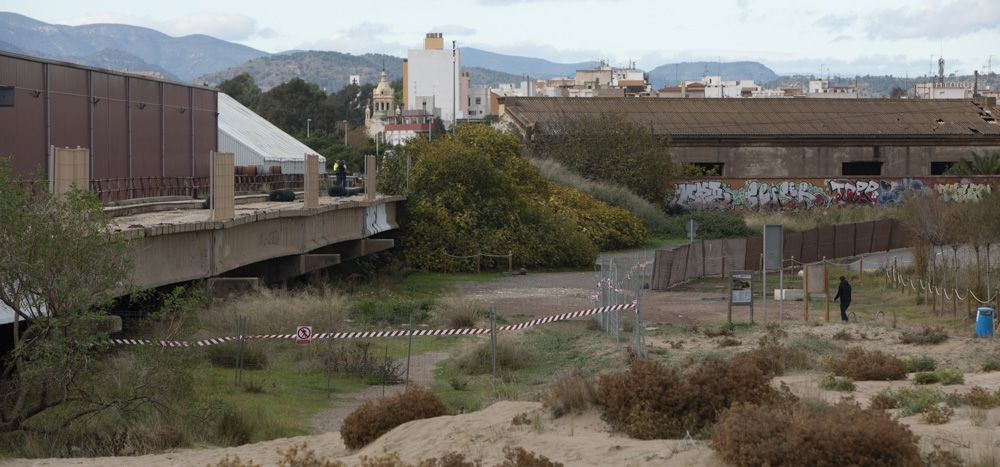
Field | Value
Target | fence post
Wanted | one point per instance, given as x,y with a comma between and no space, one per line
493,344
385,365
479,259
763,287
826,287
805,291
729,300
409,347
510,263
638,322
781,291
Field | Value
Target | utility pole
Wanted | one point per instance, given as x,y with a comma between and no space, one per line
308,121
454,93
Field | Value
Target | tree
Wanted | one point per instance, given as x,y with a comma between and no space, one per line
897,93
289,105
242,88
981,164
609,147
61,266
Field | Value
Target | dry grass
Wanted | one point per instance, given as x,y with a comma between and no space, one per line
572,392
375,418
926,336
277,311
860,365
457,313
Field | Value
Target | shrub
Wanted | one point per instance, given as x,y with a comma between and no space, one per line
981,398
842,335
820,435
937,414
607,227
511,355
909,401
357,359
711,224
650,401
376,417
235,427
834,383
519,457
926,336
772,358
921,363
456,313
991,365
651,215
867,366
570,393
927,377
225,356
945,376
458,384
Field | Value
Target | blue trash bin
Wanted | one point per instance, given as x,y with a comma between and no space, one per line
984,322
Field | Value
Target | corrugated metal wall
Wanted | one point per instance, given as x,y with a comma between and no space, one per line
135,127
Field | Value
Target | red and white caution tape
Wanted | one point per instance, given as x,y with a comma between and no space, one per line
373,334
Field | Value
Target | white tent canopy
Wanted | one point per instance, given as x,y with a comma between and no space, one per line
255,141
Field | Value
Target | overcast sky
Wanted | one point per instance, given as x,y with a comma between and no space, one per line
846,37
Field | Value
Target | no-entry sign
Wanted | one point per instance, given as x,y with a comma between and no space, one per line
303,334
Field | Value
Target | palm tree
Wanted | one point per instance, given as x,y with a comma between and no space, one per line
986,164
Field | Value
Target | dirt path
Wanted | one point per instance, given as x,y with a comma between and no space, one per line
421,373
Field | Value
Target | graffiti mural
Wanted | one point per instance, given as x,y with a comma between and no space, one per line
793,194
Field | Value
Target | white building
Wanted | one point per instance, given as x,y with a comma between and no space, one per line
255,141
716,87
432,76
478,101
820,88
948,90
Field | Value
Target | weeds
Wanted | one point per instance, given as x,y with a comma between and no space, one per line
510,355
458,314
909,401
391,310
729,342
843,335
981,398
225,356
835,383
945,376
570,393
990,365
926,336
937,414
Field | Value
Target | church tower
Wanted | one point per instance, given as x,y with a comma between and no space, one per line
383,99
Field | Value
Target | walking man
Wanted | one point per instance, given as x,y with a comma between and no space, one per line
844,295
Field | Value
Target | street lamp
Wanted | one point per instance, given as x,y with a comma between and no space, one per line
308,121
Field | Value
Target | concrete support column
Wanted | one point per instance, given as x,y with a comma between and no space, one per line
70,169
370,178
311,182
223,186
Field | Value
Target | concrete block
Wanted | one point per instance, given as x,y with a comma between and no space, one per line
789,295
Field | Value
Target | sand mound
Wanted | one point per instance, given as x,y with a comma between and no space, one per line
573,440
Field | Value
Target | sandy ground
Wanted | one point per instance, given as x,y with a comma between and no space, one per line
573,440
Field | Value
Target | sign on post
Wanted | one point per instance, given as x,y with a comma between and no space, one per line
303,334
774,247
741,290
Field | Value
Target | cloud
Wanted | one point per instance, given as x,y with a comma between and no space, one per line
836,23
230,27
935,19
362,38
513,2
454,30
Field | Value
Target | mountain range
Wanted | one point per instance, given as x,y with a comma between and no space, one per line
204,59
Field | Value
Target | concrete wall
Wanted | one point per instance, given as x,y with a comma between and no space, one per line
822,161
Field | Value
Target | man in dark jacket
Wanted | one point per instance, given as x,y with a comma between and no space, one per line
844,295
341,173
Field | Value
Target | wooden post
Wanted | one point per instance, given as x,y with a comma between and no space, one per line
479,257
968,304
861,267
729,301
805,289
826,288
510,263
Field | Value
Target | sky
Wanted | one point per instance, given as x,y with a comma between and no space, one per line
841,37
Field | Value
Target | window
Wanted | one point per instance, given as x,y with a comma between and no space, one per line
862,168
704,169
939,168
479,101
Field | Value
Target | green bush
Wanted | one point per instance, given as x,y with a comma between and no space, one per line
921,363
607,227
835,383
225,355
945,376
473,192
910,401
711,225
651,215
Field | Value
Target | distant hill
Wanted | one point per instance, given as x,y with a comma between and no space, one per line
114,59
330,70
670,74
184,57
520,66
490,77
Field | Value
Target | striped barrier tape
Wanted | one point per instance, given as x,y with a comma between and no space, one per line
393,333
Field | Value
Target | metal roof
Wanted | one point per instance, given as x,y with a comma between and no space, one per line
259,135
748,118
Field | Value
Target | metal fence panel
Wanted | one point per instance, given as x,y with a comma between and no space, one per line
695,261
881,235
810,246
714,254
899,237
736,254
754,248
863,237
678,270
793,245
827,242
844,240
